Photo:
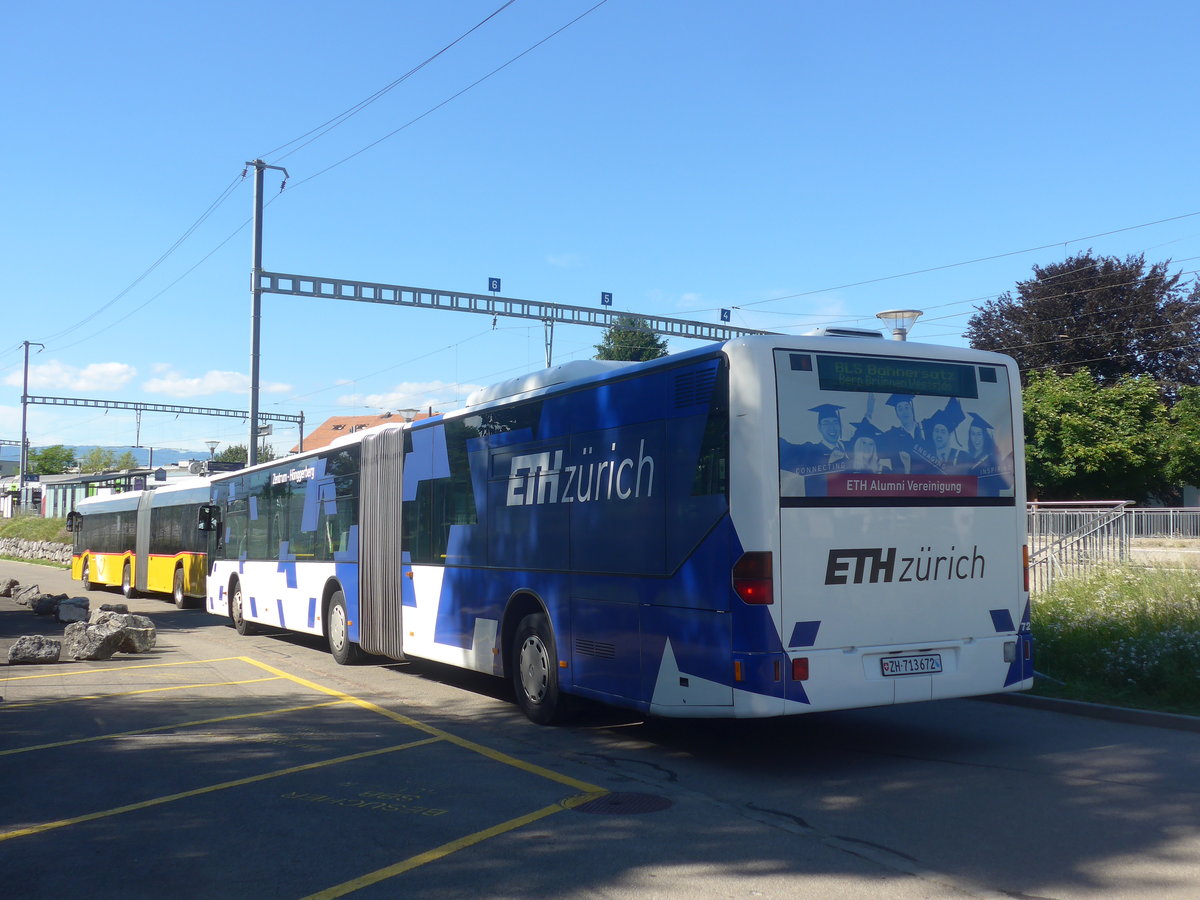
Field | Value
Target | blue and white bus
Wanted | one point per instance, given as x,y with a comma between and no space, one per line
769,526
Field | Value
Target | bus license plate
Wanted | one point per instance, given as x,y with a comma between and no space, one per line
926,664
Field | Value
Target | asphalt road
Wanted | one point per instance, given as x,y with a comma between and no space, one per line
217,765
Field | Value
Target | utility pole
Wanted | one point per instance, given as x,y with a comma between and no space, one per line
256,303
24,464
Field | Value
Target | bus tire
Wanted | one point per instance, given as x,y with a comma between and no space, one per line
535,671
337,631
177,589
240,625
127,589
85,577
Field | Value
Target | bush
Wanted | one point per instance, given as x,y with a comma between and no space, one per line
1125,636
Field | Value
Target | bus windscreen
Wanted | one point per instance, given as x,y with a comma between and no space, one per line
886,430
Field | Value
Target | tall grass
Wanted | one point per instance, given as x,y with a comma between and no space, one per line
1123,636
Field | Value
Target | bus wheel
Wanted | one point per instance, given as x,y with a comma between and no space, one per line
177,594
85,579
235,611
337,629
127,584
535,671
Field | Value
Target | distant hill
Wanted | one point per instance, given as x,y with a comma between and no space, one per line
163,456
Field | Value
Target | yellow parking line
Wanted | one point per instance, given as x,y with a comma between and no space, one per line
8,707
105,669
184,795
444,735
589,791
192,724
356,884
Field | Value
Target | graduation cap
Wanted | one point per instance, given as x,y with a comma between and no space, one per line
899,398
980,422
864,429
951,415
827,411
950,418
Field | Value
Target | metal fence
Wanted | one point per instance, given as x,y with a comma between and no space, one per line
1167,522
1067,539
1071,538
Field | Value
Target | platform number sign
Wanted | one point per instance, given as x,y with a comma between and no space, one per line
725,315
605,298
494,285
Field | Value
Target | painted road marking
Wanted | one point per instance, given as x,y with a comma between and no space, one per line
495,755
225,785
588,792
413,862
30,704
101,671
191,724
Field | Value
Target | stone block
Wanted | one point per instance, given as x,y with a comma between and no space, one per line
94,642
138,640
34,649
127,620
45,605
27,595
74,609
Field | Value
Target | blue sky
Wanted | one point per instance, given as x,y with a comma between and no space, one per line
788,160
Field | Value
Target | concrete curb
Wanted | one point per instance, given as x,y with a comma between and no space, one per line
1098,711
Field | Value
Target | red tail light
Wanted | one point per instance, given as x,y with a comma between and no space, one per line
800,669
752,578
1025,564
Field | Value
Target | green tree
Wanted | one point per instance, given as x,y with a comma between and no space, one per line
98,460
1183,440
237,453
630,338
1110,316
1087,441
52,460
126,461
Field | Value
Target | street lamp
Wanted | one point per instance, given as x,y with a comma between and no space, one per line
212,447
900,321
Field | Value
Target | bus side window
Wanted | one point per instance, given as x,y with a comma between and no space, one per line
208,518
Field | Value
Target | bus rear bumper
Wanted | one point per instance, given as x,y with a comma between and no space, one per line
907,673
857,677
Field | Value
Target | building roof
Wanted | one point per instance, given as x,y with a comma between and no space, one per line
338,426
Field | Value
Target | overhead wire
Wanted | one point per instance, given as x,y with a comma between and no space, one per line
969,262
455,96
221,198
323,129
992,297
312,136
344,116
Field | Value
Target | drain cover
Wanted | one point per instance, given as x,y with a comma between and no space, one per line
619,804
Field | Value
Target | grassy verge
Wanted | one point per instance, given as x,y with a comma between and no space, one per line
35,528
1123,637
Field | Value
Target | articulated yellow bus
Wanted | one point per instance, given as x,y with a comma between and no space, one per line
144,541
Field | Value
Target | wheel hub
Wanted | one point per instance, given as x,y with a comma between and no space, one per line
535,668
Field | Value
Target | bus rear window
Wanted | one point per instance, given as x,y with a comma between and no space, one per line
876,430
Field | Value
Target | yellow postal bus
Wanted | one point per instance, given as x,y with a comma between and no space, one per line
144,541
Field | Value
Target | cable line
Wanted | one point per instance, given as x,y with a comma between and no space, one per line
346,115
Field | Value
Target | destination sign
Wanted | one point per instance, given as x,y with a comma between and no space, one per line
896,376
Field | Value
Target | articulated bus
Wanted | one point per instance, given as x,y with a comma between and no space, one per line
145,541
769,526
